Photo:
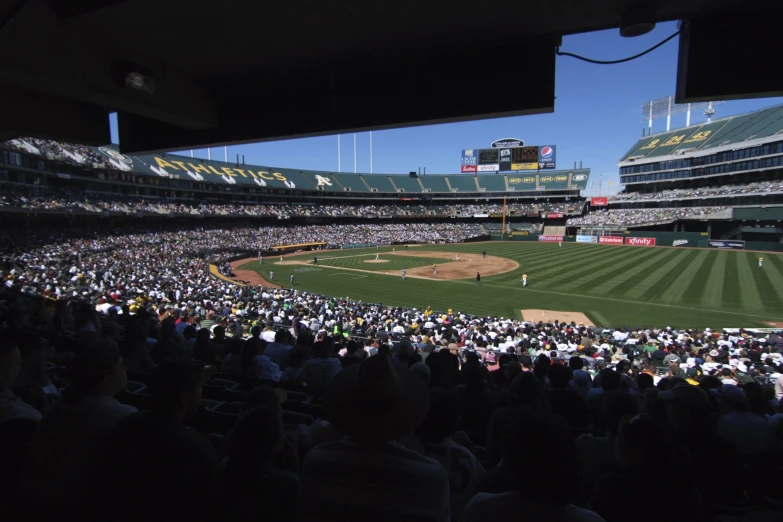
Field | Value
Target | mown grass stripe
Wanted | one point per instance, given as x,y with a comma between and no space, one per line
584,278
695,288
662,283
625,278
764,291
712,293
731,291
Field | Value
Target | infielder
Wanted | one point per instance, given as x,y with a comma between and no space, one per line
483,253
376,257
456,258
524,279
403,274
315,260
478,278
434,269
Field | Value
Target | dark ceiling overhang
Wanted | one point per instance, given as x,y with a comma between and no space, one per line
240,71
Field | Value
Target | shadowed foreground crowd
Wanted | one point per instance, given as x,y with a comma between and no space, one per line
327,410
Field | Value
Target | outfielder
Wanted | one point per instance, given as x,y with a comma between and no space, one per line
292,279
478,278
761,261
403,274
271,275
524,279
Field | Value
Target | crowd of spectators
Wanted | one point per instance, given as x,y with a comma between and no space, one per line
640,216
329,409
43,198
759,187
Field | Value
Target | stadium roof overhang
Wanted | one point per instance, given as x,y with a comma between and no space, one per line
235,71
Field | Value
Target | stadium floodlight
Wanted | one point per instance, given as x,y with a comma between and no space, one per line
661,107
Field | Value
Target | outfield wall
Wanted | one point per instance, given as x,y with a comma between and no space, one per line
668,239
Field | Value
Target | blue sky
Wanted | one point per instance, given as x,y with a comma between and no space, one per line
597,118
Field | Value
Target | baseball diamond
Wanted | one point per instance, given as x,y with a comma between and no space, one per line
611,285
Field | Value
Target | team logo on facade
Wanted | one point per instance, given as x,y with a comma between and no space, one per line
680,242
115,155
579,177
546,152
322,180
561,178
546,179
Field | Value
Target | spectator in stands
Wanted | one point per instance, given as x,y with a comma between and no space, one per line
63,448
250,486
255,365
152,467
563,400
435,433
349,479
540,483
318,372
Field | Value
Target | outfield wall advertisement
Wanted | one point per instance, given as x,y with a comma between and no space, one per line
587,239
728,245
599,202
550,238
610,240
640,241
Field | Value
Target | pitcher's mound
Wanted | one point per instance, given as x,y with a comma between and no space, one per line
377,261
550,316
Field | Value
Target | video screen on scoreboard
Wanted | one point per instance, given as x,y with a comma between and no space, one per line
489,156
524,155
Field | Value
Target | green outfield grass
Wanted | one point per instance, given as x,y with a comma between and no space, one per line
613,285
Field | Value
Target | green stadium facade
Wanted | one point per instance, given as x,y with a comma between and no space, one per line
738,149
186,173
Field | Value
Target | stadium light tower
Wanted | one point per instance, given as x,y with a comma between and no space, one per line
652,110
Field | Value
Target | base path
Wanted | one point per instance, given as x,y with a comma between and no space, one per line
550,316
253,277
465,268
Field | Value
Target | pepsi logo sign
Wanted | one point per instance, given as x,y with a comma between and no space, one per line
546,152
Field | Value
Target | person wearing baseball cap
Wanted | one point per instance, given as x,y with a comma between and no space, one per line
151,465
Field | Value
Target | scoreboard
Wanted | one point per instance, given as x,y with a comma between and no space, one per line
509,159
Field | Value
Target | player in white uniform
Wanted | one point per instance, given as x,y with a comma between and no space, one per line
456,258
560,243
761,261
403,274
524,279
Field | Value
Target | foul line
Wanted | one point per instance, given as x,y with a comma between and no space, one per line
616,300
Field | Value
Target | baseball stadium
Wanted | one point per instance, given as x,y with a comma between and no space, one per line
208,339
694,240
